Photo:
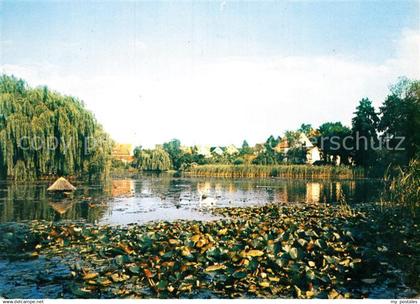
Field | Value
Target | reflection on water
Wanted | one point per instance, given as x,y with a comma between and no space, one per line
154,197
121,187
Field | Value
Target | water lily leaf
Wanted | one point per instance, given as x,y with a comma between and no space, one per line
90,276
118,278
162,285
255,253
310,294
134,269
195,238
310,275
215,268
293,253
298,291
170,288
333,294
274,279
148,273
222,231
311,263
252,288
345,262
81,292
173,242
302,242
104,282
186,251
239,275
321,244
119,260
127,249
252,265
264,284
201,243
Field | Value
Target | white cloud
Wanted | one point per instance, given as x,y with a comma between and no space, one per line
222,6
225,101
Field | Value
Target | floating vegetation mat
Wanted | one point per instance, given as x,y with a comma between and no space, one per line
273,251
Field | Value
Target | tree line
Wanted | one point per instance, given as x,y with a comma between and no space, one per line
376,139
44,133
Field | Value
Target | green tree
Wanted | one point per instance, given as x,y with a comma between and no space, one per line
269,156
271,142
306,129
292,138
331,140
45,133
151,159
364,133
245,149
400,122
173,148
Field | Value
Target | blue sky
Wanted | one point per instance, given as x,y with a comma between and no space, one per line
256,65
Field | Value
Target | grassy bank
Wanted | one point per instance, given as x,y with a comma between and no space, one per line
287,171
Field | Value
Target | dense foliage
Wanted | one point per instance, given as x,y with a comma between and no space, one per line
333,149
152,160
400,118
365,124
45,133
378,139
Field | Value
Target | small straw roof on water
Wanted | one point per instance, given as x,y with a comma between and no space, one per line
61,184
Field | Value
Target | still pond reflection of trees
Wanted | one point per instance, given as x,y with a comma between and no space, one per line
92,203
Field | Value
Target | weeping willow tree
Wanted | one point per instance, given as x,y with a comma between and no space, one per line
45,133
152,160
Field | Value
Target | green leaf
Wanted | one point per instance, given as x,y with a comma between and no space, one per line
293,253
239,275
135,269
162,284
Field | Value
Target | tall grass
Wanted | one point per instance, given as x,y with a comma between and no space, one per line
403,188
286,171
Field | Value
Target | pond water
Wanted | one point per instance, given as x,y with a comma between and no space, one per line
164,197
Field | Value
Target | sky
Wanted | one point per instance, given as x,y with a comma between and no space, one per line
215,72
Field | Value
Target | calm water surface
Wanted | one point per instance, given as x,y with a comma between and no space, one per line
163,197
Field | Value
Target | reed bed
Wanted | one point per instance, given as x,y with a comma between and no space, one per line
285,171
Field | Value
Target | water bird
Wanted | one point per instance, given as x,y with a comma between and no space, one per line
206,201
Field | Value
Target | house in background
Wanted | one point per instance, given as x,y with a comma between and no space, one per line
123,152
217,150
186,149
313,153
282,146
204,150
231,150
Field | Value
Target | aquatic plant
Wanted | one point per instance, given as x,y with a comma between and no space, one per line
272,251
289,171
403,187
269,251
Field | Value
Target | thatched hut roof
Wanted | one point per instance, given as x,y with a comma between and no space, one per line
61,184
